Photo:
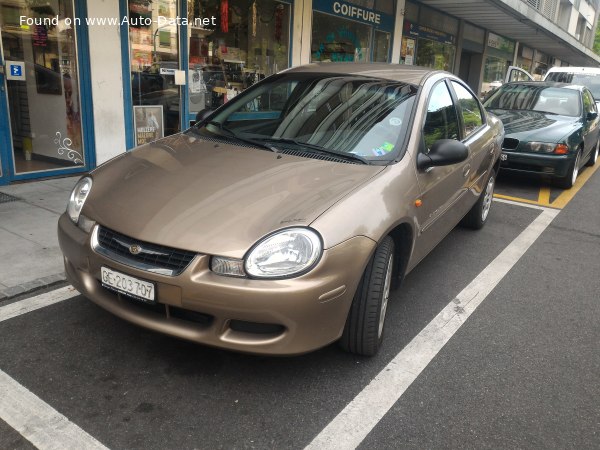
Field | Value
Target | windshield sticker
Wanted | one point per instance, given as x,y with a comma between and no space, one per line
384,149
395,121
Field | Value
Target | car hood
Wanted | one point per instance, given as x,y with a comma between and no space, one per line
535,126
213,197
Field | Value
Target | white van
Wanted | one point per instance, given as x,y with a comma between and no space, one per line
585,76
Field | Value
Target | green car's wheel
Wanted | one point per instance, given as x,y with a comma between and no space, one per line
363,332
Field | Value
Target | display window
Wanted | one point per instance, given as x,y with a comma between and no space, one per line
352,31
249,41
42,75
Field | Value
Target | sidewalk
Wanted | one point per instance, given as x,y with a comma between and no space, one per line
30,258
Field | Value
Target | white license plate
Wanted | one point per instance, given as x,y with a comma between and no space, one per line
503,156
128,285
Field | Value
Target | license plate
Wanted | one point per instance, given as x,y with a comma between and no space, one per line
503,156
128,285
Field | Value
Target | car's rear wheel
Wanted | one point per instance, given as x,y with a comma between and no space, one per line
594,155
569,179
363,332
477,216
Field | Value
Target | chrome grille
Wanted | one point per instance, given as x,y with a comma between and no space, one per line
145,256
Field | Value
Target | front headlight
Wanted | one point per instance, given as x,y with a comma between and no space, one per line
540,147
285,253
77,199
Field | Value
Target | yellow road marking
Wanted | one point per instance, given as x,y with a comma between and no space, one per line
565,197
544,196
519,199
568,194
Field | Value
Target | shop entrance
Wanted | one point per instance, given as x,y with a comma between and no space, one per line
469,70
40,117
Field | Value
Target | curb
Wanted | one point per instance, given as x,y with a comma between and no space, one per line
32,286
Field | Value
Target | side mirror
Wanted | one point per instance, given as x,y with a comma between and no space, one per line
591,115
203,114
443,152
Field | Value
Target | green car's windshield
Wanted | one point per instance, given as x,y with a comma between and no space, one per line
360,118
536,97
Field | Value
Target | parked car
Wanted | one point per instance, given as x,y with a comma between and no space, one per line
278,227
551,128
585,76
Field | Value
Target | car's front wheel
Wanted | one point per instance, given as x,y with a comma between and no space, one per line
477,216
363,331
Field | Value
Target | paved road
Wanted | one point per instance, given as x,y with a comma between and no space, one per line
522,371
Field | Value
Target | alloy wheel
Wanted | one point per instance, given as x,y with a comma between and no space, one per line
487,199
386,295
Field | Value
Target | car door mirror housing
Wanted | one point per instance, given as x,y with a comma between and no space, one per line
591,115
443,152
203,114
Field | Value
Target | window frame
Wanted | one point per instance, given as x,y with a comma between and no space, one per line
464,134
423,147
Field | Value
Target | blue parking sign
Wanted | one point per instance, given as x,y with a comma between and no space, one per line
16,70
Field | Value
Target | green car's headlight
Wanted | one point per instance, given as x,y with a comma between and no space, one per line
77,199
284,254
540,147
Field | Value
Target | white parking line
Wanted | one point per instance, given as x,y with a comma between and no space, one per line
349,428
38,422
526,205
37,302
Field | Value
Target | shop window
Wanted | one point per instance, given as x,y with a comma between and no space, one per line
44,100
469,108
435,55
248,43
382,46
336,39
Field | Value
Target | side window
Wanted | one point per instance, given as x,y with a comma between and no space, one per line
442,120
469,106
588,102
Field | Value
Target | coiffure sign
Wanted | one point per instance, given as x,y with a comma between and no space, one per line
349,11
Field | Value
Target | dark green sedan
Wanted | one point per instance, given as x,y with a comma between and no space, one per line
551,128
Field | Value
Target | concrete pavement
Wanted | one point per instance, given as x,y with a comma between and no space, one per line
30,258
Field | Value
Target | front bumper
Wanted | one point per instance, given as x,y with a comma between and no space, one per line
301,314
545,164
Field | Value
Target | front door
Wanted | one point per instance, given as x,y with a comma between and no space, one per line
40,113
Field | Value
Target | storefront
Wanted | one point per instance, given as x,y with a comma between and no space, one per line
45,125
499,55
351,31
428,38
178,70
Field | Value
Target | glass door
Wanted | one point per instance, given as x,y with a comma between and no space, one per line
42,124
155,68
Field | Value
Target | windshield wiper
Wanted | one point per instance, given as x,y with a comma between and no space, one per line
319,149
233,134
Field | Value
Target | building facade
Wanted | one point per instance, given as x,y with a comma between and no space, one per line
82,81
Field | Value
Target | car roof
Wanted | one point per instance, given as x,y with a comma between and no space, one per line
397,72
571,69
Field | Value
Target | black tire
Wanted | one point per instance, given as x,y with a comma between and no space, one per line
363,332
569,179
594,155
479,213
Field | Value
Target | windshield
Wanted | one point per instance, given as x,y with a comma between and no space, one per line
536,97
360,117
589,80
